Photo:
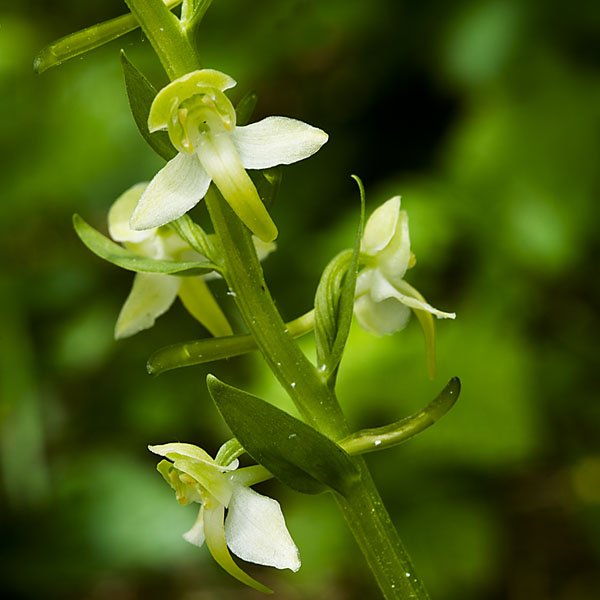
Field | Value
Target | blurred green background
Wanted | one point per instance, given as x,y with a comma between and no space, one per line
485,116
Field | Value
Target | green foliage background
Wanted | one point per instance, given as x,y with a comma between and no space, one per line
485,116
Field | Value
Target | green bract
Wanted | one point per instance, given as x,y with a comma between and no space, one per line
201,123
254,528
383,298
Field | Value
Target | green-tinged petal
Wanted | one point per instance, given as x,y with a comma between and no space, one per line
380,318
381,226
196,534
201,304
426,320
263,249
120,213
178,450
217,153
255,531
215,540
277,141
175,189
383,289
395,258
171,96
151,295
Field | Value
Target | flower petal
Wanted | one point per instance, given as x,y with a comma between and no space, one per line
151,295
215,540
201,304
217,153
277,141
383,289
263,249
395,258
196,534
380,318
381,226
177,450
255,530
120,214
175,189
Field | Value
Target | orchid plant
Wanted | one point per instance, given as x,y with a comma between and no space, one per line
212,155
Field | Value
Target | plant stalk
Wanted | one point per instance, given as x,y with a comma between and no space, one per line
363,508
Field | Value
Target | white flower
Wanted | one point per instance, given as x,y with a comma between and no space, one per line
383,299
153,294
254,528
201,124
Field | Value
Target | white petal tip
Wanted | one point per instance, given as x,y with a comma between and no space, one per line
443,315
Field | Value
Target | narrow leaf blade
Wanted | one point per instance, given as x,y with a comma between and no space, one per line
334,302
101,246
85,40
346,301
140,94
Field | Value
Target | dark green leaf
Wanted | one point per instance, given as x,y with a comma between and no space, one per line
245,107
117,255
295,453
267,184
141,93
334,302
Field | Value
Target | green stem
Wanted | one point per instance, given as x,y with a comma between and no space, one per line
244,275
363,509
167,36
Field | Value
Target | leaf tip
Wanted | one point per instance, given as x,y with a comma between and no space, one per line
454,386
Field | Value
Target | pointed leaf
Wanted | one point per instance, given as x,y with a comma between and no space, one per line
117,255
197,352
141,93
245,107
194,235
334,302
379,438
294,452
90,38
267,184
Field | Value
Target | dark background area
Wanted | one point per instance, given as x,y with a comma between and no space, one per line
485,117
